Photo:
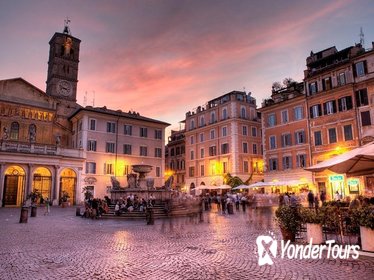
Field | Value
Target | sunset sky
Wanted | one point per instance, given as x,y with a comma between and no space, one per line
163,58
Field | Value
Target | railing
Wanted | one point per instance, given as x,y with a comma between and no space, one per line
34,148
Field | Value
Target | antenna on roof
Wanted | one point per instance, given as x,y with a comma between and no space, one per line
93,99
85,99
362,38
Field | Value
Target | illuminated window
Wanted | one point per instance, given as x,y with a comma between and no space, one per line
108,168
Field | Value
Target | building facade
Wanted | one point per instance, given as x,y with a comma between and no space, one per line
286,138
51,144
223,136
339,87
175,159
113,141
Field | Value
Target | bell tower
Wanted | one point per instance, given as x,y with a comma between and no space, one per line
62,77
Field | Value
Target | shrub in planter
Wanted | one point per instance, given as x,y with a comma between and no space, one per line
367,228
313,221
329,214
289,221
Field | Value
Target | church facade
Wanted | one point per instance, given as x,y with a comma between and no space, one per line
39,149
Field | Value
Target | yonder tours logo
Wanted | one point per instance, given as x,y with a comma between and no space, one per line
267,250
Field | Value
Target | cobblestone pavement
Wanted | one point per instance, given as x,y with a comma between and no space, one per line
62,246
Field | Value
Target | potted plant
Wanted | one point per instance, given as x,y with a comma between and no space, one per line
313,221
289,221
64,199
366,221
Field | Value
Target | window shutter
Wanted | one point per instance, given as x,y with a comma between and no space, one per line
311,112
348,100
354,70
283,144
340,104
325,108
104,168
365,67
357,95
319,110
364,96
334,106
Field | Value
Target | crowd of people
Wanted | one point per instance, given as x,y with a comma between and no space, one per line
95,207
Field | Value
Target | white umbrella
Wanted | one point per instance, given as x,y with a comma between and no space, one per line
241,187
224,187
356,162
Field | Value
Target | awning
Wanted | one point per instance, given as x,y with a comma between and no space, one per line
356,162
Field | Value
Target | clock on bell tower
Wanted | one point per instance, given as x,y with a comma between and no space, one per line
62,77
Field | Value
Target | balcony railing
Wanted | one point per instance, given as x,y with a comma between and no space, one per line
43,149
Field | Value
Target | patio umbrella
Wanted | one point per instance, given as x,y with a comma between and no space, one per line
356,162
224,187
241,187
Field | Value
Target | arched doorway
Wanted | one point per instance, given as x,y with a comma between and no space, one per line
68,181
192,188
42,181
14,186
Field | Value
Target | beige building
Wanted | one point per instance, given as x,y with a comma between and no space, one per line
286,138
223,136
113,141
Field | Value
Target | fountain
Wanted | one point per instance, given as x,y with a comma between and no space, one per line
143,170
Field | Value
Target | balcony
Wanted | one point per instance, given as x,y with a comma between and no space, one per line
39,149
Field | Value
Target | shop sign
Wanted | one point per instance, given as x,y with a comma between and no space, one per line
336,178
90,180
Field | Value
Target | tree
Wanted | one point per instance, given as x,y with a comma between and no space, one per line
288,81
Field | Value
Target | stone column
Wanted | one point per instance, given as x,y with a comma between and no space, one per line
78,187
29,179
55,184
2,177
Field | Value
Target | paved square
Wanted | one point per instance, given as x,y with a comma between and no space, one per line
62,246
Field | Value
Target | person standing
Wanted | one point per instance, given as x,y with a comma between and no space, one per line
47,206
311,199
323,197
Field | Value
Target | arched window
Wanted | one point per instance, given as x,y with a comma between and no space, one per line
192,126
224,114
14,131
202,121
213,117
243,113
